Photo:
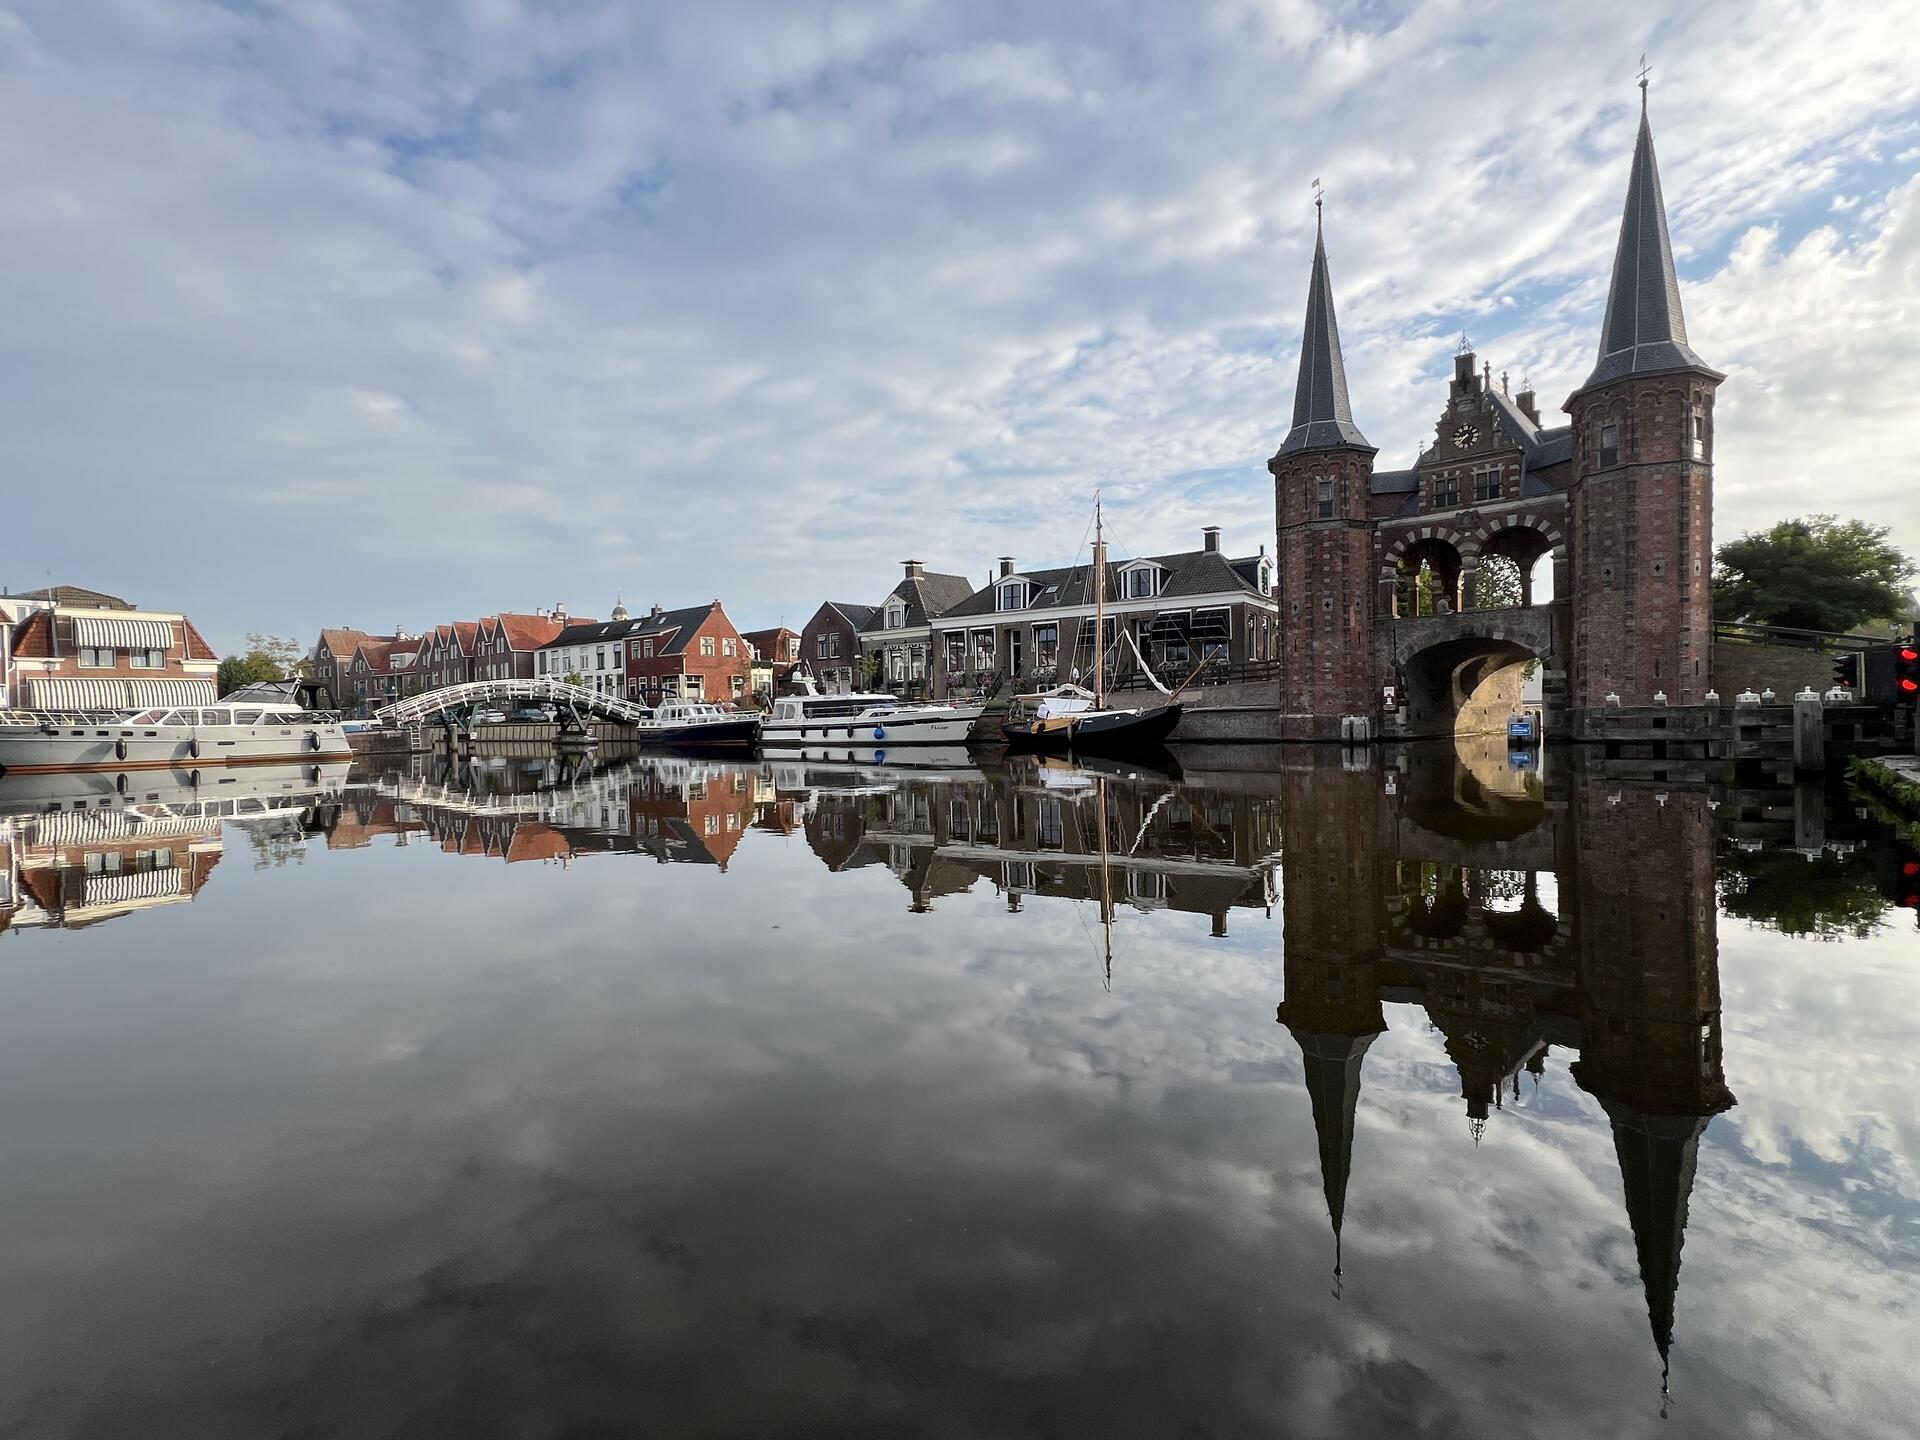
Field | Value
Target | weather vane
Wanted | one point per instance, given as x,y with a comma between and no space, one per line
1319,195
1645,71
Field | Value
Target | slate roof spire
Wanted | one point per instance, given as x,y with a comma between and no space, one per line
1644,332
1322,416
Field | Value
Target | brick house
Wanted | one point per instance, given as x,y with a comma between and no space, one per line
778,651
1036,626
446,654
505,645
104,656
830,645
329,659
896,644
695,652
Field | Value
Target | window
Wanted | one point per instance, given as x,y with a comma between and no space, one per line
820,644
646,647
1609,444
599,659
147,659
956,647
94,658
1698,431
1446,492
833,646
1046,646
896,617
1486,483
1323,497
707,646
1141,583
729,648
739,686
1013,595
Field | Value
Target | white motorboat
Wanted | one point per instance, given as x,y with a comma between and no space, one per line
239,731
811,719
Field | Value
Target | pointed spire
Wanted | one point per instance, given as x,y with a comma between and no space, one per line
1644,331
1332,1064
1322,416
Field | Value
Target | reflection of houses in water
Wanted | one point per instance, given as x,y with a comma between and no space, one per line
1202,853
1593,930
676,810
78,850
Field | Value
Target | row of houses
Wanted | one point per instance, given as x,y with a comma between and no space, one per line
941,634
68,648
693,652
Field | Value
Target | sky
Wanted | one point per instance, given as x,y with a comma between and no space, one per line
340,312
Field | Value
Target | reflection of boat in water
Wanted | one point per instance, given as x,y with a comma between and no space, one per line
1066,718
75,849
1149,762
885,757
238,731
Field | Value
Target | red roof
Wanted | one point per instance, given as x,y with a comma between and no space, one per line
530,632
376,651
534,840
339,641
463,633
34,638
195,646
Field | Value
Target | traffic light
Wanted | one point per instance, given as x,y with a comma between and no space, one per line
1846,671
1906,667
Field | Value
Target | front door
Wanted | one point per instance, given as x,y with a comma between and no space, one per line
1015,653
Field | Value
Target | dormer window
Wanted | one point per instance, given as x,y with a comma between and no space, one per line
1013,595
896,617
1140,582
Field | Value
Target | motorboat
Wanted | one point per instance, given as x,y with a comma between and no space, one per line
1067,718
237,731
877,721
696,725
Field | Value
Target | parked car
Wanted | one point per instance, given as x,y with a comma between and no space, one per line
532,715
487,715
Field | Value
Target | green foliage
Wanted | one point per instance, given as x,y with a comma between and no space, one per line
1814,573
574,677
1831,896
1498,586
267,657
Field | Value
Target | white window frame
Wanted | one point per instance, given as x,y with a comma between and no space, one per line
1005,590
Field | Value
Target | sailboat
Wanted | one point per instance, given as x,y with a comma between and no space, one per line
1068,718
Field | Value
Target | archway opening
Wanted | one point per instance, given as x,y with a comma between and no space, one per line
1428,582
1469,686
1515,569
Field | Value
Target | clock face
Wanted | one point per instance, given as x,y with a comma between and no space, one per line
1465,435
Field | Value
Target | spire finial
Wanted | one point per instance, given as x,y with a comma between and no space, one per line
1319,199
1645,71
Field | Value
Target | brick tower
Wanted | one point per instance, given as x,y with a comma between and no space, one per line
1321,477
1643,483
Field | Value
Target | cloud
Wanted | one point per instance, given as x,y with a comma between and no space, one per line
783,293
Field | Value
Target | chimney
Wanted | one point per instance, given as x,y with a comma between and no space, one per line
655,613
914,569
1529,406
1006,566
1210,538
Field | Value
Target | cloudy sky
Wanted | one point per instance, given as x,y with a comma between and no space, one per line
340,311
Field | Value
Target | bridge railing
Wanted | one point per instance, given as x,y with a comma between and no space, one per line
541,689
1789,636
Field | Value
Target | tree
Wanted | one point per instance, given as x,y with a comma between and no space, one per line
1814,573
267,657
1830,896
1498,587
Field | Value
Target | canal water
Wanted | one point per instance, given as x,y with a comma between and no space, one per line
1376,1096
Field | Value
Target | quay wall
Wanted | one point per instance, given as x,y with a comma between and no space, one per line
1784,669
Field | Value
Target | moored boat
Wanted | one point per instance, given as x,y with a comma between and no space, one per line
696,725
810,719
237,732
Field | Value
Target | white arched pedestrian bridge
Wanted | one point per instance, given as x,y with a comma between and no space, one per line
450,700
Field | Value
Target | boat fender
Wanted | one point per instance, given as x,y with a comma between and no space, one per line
313,739
879,757
193,779
193,747
879,732
120,749
120,783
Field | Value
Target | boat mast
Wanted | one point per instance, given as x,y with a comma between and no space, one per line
1106,885
1099,612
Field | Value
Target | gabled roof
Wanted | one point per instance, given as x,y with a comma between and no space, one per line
591,632
339,641
1644,332
676,627
33,638
1322,414
377,652
855,615
1190,572
77,597
1541,447
529,632
925,596
193,645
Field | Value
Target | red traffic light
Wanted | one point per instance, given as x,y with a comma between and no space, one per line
1908,654
1907,687
1910,868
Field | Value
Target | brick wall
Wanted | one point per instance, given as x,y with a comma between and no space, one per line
1783,669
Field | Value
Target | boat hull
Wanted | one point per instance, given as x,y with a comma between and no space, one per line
1114,732
734,737
888,732
111,745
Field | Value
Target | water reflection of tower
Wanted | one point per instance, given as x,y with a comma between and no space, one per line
1383,900
1650,1011
1332,934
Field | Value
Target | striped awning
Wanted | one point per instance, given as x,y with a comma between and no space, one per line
120,694
122,634
137,885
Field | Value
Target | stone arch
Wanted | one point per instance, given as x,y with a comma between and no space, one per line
1439,553
1470,684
